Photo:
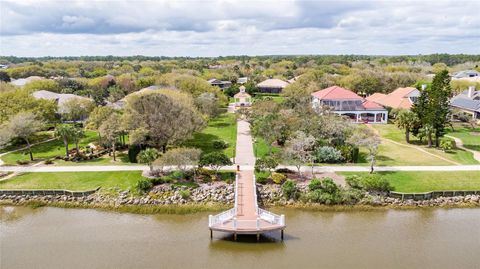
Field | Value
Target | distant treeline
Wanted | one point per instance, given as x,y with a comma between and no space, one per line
448,59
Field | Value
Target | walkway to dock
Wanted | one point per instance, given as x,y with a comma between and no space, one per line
246,217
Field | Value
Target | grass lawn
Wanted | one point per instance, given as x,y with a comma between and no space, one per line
75,181
275,97
47,150
260,148
38,137
470,137
404,155
423,181
223,127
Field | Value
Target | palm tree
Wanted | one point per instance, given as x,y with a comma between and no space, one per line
65,132
406,120
148,156
77,134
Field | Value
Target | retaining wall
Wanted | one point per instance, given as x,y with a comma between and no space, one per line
48,192
431,195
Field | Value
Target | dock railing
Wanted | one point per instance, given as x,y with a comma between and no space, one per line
225,215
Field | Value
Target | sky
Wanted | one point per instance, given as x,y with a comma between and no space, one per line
238,27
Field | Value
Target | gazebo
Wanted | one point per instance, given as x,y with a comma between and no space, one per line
242,99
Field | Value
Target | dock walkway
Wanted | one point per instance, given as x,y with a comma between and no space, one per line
246,217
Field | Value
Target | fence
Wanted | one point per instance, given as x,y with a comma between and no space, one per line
48,192
431,195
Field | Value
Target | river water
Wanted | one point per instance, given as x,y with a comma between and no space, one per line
85,238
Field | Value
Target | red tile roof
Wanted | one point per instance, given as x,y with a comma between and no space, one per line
371,105
334,93
396,99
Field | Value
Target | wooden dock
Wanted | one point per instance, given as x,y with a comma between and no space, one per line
246,217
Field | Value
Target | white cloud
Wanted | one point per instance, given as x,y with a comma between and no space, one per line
221,27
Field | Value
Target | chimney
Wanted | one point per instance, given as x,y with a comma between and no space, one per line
471,89
424,86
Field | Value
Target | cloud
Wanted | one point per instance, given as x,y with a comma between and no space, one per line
224,27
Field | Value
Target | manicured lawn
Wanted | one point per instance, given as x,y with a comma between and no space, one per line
75,181
275,97
38,137
223,127
47,150
470,137
420,181
408,155
260,148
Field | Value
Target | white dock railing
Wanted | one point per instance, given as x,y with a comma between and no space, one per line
225,216
265,214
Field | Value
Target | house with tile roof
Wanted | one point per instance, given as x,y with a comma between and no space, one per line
468,102
401,98
347,103
272,85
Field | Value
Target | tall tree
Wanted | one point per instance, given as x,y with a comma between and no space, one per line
111,130
164,117
24,125
64,132
441,92
76,109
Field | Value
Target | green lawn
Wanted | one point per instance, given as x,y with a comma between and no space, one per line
260,148
470,137
430,181
223,127
404,155
38,137
47,150
75,181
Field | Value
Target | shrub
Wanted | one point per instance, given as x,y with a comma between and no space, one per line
266,163
278,178
48,161
447,144
144,185
376,183
290,190
284,171
328,154
22,162
354,182
315,184
185,194
262,179
219,144
349,153
178,175
133,151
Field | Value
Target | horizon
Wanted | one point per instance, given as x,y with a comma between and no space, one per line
211,28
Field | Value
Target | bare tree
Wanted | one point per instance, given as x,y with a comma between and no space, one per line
368,139
299,150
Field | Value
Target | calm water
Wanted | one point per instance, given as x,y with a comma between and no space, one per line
78,238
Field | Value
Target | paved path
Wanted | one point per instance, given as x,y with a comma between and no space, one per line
459,144
317,169
24,148
247,217
412,146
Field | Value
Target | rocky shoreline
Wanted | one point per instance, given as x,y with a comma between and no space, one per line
220,193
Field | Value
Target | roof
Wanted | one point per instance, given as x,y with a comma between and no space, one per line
23,81
466,73
60,98
272,83
469,103
396,99
334,93
371,105
292,80
376,97
242,80
241,94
